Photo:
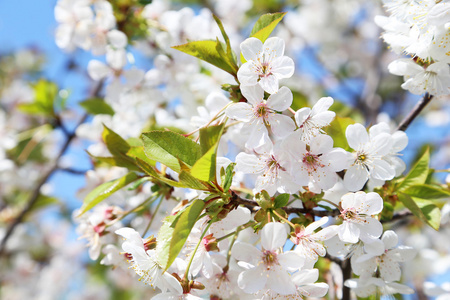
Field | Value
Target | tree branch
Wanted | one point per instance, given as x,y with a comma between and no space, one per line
415,112
288,209
36,192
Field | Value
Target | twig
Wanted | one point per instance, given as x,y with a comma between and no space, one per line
415,112
288,209
36,192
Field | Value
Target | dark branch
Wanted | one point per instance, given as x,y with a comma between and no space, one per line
288,209
415,112
36,192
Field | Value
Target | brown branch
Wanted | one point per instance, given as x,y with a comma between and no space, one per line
415,112
36,192
287,209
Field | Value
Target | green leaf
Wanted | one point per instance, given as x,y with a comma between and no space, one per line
337,131
114,142
265,25
183,227
192,182
45,93
114,161
231,56
167,147
42,202
105,190
427,213
164,240
418,173
281,201
97,106
228,177
427,192
205,168
209,51
209,136
148,169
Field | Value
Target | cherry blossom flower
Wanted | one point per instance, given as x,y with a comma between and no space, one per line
316,167
356,212
272,165
364,287
434,79
145,264
311,121
265,63
267,268
388,258
309,243
367,159
259,114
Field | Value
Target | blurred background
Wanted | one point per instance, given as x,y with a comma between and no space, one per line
338,52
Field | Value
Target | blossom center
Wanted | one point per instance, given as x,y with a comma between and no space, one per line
269,258
312,161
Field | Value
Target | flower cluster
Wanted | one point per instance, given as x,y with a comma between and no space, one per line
419,29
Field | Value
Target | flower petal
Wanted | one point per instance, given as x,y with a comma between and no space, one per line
283,67
280,100
240,111
251,48
390,239
355,177
254,94
273,236
357,136
247,74
269,84
281,125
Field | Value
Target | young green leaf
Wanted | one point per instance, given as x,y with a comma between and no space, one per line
105,190
45,93
418,173
337,131
427,213
209,136
281,201
183,227
265,25
228,177
148,169
164,240
168,147
427,192
192,182
205,168
115,143
208,51
97,106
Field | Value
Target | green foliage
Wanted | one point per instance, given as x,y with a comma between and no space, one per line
337,131
183,226
427,192
105,190
45,93
169,147
43,202
418,174
281,201
426,212
228,176
96,106
213,52
205,168
265,25
148,169
164,240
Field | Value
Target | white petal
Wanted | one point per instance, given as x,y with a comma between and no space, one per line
248,163
245,252
371,205
301,115
281,125
291,260
338,158
356,135
389,269
355,178
390,239
280,281
394,288
403,253
283,67
98,70
321,144
322,105
240,111
259,137
370,229
379,128
280,100
306,276
313,226
247,74
254,94
117,38
316,290
251,48
382,170
253,280
374,247
131,235
326,233
324,118
348,232
381,144
269,84
273,236
275,47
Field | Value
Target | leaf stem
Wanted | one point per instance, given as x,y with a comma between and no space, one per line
153,216
196,248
